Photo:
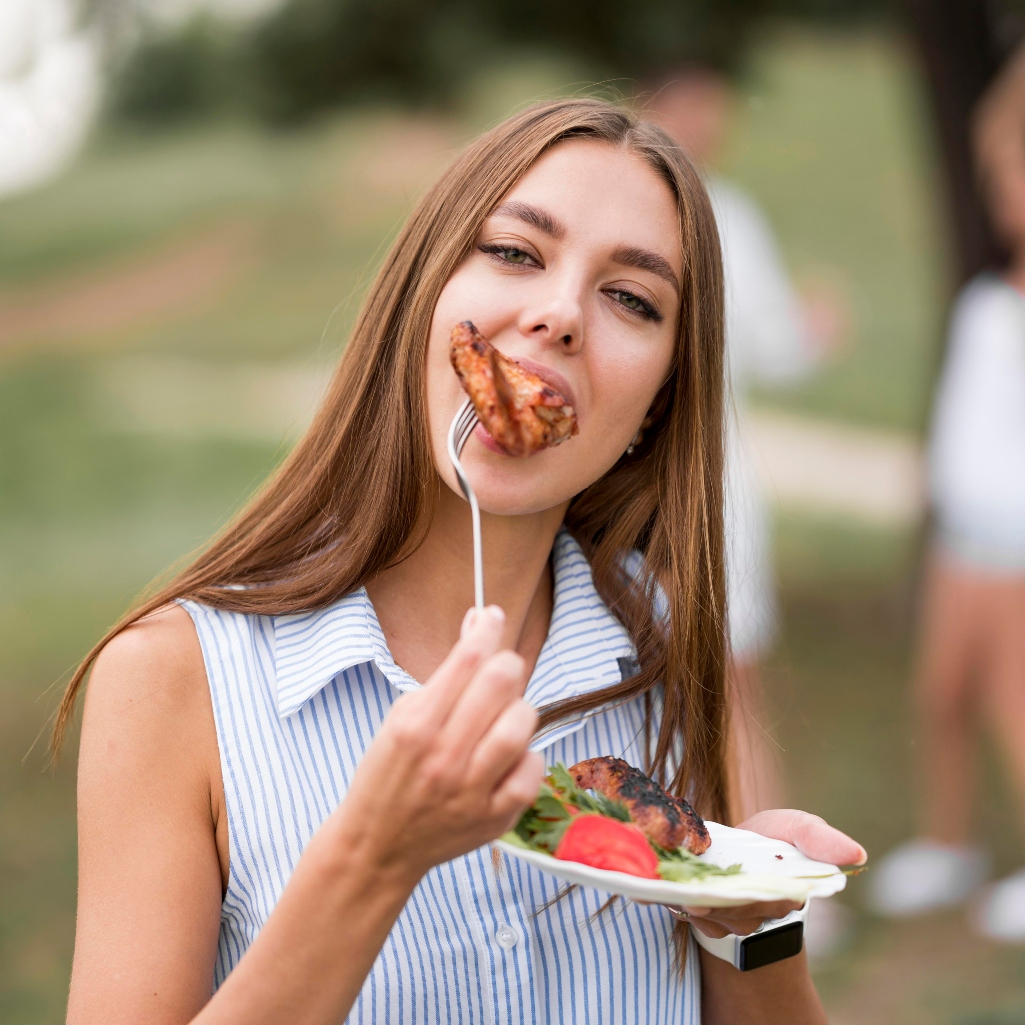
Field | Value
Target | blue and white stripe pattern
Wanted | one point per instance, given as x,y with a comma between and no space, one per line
297,700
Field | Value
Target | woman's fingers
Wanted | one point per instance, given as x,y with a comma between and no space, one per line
717,930
498,682
504,744
743,920
480,638
517,790
708,927
811,835
761,912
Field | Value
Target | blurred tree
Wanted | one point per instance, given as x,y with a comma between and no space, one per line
309,55
315,53
167,77
960,47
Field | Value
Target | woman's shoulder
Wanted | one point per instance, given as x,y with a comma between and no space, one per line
162,647
147,697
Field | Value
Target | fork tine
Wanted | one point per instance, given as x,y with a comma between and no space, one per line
463,424
466,422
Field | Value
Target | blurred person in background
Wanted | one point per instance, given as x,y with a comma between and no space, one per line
774,336
971,660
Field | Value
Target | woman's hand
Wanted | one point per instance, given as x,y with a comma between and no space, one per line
812,836
449,769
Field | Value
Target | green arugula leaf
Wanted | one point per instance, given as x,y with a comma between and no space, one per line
561,778
680,866
602,805
547,806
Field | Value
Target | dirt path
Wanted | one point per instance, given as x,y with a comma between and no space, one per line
169,282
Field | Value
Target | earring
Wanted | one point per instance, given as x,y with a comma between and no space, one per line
638,438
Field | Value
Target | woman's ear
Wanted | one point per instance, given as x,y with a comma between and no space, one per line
639,436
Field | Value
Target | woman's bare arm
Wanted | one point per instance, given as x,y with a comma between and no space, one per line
448,771
778,994
149,872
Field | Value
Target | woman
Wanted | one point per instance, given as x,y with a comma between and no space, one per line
970,672
272,805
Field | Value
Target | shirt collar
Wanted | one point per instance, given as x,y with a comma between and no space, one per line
582,653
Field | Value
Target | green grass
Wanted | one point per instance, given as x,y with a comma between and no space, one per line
833,142
832,146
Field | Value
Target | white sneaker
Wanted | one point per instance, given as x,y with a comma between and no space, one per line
1000,914
829,928
923,875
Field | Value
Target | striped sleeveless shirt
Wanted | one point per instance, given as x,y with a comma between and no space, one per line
297,700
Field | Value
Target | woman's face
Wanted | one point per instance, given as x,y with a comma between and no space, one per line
576,275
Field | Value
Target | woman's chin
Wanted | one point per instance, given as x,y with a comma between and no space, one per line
510,486
507,486
514,509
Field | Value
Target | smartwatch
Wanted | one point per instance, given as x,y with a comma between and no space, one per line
775,940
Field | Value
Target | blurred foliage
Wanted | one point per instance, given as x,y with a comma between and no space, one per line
198,69
314,53
309,55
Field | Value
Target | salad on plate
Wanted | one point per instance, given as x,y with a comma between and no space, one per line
605,824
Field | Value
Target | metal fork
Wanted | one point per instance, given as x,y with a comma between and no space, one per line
459,433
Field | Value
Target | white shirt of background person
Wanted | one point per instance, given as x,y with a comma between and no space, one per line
977,448
767,341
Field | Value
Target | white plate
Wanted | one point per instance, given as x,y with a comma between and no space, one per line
772,870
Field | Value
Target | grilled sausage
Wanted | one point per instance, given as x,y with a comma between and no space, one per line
667,820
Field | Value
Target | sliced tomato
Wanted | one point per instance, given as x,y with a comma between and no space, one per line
607,843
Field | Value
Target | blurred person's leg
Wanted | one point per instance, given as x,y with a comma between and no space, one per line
755,774
757,781
946,685
1004,676
1000,914
755,771
942,866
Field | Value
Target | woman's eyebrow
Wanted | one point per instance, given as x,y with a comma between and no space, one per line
534,216
645,259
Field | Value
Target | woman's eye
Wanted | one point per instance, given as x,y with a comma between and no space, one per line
507,254
635,303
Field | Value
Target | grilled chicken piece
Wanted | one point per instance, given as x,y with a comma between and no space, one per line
520,411
667,820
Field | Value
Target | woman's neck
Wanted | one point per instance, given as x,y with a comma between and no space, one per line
420,603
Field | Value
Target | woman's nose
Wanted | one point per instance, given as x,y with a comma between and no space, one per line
557,321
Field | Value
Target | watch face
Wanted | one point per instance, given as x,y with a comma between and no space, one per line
769,947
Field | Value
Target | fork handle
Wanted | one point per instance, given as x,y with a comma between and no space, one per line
458,434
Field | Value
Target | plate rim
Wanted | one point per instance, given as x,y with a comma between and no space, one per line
620,883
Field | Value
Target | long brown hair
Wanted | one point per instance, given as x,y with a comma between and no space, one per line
357,493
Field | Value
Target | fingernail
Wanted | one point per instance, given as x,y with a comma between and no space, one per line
468,620
863,857
496,613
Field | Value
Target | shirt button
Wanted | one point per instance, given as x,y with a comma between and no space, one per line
507,936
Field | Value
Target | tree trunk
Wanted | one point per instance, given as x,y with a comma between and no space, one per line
956,42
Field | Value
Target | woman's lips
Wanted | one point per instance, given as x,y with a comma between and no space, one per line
487,441
552,377
491,445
